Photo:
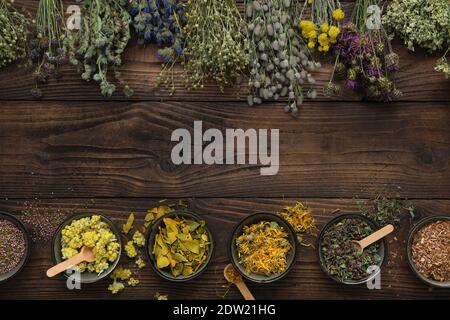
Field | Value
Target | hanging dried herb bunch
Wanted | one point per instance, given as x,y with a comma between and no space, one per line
422,23
216,43
442,65
13,33
46,51
159,22
365,59
280,63
323,28
97,48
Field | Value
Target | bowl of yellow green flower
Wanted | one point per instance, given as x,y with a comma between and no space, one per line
179,246
88,230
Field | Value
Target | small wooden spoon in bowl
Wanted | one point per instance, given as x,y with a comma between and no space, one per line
235,278
86,254
374,237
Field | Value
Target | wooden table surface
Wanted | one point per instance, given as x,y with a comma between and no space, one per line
76,152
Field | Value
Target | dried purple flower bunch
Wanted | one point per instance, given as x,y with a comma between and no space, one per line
46,51
96,49
159,22
280,62
365,59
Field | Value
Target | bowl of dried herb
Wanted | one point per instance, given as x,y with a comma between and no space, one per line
428,250
263,247
179,246
337,255
94,231
15,246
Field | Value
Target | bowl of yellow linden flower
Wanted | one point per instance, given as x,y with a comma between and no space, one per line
90,230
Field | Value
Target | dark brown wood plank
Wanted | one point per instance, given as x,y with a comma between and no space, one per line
141,68
117,149
306,281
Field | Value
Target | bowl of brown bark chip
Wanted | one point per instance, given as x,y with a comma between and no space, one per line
428,251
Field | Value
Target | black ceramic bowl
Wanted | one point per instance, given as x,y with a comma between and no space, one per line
165,273
382,251
7,276
255,218
85,277
418,226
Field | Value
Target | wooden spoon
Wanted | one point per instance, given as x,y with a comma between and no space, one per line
232,276
374,237
86,254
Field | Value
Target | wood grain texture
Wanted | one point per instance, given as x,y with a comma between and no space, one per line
141,68
94,149
306,281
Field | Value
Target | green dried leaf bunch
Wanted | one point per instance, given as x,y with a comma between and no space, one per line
280,62
46,51
97,48
216,43
422,23
14,28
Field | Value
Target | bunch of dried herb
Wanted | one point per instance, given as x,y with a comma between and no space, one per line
387,209
280,63
365,59
302,221
46,51
431,250
97,48
442,65
160,22
263,248
323,28
422,23
13,33
182,245
340,257
216,44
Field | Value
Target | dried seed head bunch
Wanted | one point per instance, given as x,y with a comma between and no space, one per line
365,59
98,46
13,33
323,28
280,62
159,21
423,23
442,65
45,49
216,44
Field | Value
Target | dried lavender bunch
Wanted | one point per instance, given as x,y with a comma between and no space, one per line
216,43
365,59
160,22
97,47
423,23
13,33
46,51
442,65
280,62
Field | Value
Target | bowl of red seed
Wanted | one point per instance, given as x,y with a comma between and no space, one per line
428,251
15,246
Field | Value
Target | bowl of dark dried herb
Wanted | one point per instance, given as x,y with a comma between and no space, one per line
263,247
337,255
15,246
428,250
179,246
